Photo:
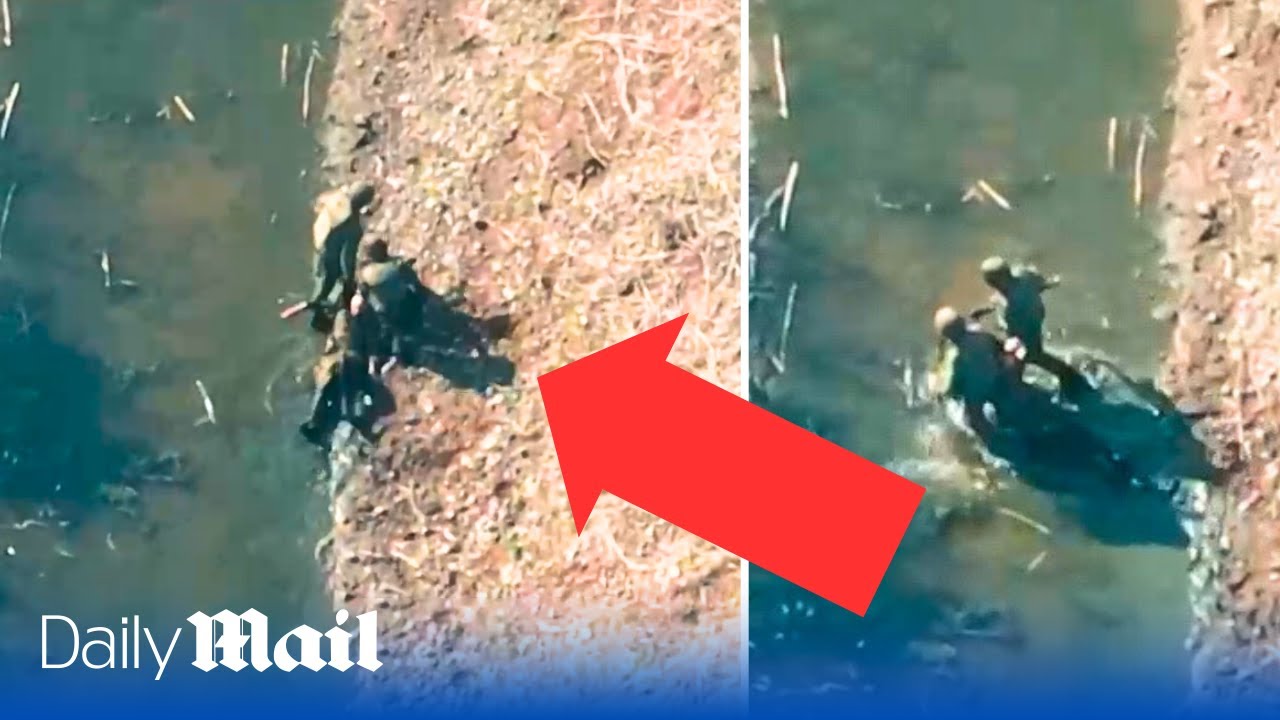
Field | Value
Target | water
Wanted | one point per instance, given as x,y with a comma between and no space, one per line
211,220
903,97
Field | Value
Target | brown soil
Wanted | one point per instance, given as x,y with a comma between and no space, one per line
1223,239
576,163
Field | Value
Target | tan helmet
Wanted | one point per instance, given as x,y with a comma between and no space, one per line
946,319
335,203
360,195
995,266
332,207
377,274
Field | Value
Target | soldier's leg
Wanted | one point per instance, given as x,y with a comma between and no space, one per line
1070,381
318,425
976,417
358,389
346,405
326,277
395,338
349,259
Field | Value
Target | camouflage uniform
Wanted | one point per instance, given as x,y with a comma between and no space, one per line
335,237
973,367
389,289
1019,295
342,381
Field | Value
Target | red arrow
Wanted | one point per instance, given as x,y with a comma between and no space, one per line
625,420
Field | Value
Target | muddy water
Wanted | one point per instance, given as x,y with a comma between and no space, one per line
916,99
211,221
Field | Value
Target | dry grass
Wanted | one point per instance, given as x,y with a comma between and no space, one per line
577,165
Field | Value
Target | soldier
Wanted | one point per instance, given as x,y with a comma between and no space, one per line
335,237
1019,298
974,368
343,384
390,287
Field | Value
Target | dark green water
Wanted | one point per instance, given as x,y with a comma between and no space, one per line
212,221
893,96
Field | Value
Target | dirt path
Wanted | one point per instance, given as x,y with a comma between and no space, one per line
576,164
1223,237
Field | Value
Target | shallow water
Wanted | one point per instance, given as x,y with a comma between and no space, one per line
923,97
211,220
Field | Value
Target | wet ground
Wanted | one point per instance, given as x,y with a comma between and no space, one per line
206,225
904,101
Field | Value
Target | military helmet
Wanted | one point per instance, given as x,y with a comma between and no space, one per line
332,210
376,251
360,195
334,204
946,319
995,266
376,274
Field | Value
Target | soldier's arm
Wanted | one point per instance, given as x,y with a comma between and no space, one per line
319,280
1040,281
939,377
982,311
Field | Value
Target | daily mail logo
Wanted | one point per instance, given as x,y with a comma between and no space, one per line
220,640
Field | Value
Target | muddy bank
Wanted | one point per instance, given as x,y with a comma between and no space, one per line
1223,234
573,167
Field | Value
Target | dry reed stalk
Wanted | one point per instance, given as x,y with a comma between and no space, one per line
1138,161
788,192
284,65
1037,526
306,86
182,108
765,212
10,102
104,262
786,325
1037,560
996,197
1113,126
209,416
4,215
783,111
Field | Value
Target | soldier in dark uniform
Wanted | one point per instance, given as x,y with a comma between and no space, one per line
1019,298
393,295
344,386
974,368
335,239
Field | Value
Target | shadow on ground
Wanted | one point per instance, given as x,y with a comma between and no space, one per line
424,331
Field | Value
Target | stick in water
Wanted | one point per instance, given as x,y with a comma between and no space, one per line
996,197
1138,161
4,216
786,325
783,111
284,64
788,191
104,262
182,107
306,86
1112,127
9,103
8,26
1037,526
1035,561
209,417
